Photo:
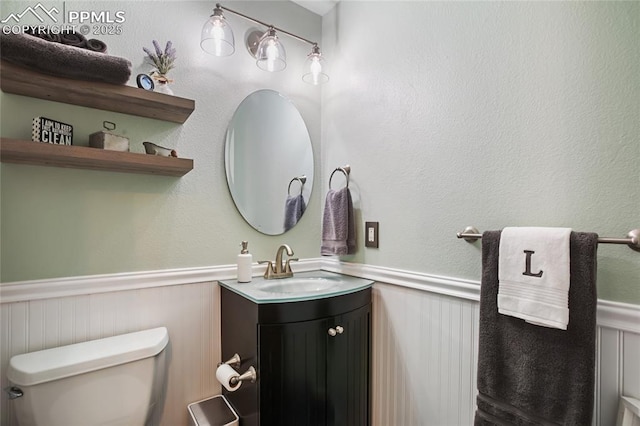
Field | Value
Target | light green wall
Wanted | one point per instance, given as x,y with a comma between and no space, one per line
450,113
490,114
63,222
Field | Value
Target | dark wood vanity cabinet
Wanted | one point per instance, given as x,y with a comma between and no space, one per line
313,359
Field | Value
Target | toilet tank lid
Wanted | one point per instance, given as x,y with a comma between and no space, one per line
65,361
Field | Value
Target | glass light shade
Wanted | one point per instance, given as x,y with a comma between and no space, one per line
217,37
271,55
316,69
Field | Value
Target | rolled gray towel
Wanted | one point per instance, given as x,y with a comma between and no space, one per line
64,61
97,45
73,39
45,35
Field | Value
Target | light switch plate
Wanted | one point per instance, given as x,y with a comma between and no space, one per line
371,234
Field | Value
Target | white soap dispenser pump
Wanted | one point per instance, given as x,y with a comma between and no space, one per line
244,264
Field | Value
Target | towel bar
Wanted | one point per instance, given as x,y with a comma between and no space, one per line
471,234
346,170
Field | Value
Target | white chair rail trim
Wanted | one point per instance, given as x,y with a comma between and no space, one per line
20,291
617,315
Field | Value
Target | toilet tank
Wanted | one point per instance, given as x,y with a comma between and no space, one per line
117,380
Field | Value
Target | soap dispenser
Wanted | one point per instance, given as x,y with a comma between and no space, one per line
244,264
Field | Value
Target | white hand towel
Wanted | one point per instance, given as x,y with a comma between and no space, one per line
533,275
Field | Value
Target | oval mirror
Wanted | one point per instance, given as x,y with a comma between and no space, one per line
269,162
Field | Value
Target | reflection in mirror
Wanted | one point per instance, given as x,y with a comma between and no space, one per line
269,162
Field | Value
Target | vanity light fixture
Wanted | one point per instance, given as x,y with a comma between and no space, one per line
316,66
217,39
270,55
217,36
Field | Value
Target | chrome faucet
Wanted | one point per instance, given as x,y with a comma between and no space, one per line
279,269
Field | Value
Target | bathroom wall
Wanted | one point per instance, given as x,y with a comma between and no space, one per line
489,114
82,229
477,113
63,222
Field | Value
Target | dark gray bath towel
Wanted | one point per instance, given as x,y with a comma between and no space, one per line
293,209
64,61
530,375
338,227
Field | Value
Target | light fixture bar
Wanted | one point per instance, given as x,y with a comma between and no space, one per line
217,39
280,30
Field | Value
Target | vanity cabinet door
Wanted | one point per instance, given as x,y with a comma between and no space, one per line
348,369
316,373
293,369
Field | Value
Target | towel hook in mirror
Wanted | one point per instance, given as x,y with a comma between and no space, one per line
302,179
346,170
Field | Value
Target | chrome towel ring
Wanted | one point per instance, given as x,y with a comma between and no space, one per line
346,170
302,179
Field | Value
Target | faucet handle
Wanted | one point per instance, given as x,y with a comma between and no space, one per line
269,272
287,266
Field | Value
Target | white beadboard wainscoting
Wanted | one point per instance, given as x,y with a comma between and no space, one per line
425,332
190,312
42,314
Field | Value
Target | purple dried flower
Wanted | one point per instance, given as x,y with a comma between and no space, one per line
157,46
163,61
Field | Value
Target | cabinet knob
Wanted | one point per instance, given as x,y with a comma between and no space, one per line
333,331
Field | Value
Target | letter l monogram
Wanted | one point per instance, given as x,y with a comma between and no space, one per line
528,272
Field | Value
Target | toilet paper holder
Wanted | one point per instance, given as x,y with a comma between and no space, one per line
249,375
234,362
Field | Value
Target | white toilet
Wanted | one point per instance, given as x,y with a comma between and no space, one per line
113,381
628,412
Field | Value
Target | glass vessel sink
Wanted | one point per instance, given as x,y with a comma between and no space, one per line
302,286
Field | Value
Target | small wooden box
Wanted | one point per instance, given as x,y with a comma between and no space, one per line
108,141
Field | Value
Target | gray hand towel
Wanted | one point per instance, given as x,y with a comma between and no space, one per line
294,207
530,375
64,61
338,227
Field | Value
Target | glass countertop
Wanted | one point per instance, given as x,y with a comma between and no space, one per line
302,286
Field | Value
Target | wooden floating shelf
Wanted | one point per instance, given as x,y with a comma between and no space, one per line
82,157
109,97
